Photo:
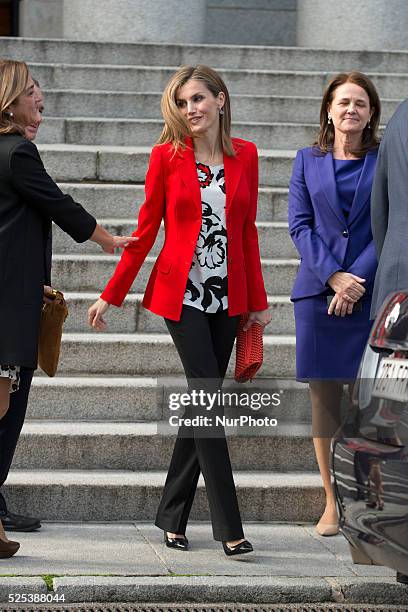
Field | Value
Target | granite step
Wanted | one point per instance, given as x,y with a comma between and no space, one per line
68,162
124,201
154,354
91,273
145,78
233,56
121,495
107,398
145,132
136,105
142,399
132,317
73,445
274,239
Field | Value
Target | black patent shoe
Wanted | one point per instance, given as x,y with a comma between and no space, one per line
19,522
177,543
238,549
402,578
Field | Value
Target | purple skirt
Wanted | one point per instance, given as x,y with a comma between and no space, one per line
329,347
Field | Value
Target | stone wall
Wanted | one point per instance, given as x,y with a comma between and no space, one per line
336,24
171,21
367,25
251,22
41,18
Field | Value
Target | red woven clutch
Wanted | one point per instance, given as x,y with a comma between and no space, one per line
249,355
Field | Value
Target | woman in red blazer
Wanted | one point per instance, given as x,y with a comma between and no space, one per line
204,184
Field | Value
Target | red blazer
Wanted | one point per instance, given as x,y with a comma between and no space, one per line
173,193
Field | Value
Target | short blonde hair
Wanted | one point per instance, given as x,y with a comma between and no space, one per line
13,82
176,128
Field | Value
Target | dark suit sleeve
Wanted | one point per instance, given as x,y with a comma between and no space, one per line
313,251
379,200
48,258
39,191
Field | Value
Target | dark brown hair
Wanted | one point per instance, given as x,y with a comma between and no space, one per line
369,137
176,128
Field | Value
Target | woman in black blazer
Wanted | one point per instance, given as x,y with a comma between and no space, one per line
29,202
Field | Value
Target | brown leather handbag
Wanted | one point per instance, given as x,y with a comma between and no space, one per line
249,350
49,344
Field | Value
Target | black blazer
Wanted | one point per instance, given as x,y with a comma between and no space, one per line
29,201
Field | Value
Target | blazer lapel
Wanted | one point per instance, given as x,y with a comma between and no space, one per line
363,190
188,173
232,172
325,172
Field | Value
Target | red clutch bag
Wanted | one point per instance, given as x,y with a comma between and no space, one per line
249,355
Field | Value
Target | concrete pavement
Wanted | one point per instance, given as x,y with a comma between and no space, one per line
129,562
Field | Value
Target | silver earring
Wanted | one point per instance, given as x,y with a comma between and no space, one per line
11,115
221,111
368,126
329,119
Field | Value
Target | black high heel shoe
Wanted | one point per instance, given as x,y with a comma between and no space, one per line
238,549
177,543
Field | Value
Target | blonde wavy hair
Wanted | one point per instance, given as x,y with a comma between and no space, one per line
14,77
176,128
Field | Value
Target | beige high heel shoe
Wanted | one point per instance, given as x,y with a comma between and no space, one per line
327,529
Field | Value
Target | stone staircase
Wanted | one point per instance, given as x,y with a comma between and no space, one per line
92,447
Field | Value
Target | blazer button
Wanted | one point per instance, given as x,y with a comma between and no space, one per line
345,233
230,260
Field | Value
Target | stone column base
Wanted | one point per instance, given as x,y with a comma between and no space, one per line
171,21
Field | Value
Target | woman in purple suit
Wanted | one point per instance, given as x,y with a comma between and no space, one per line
329,222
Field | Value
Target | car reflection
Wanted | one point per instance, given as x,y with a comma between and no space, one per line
370,454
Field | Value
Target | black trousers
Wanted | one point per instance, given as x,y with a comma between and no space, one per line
10,428
204,343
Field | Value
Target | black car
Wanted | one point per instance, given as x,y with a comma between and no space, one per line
370,454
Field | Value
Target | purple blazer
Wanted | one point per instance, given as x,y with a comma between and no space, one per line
325,240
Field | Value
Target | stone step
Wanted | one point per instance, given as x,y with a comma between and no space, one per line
154,354
124,201
101,495
274,239
132,317
144,132
229,56
92,272
73,445
131,399
142,78
114,105
67,162
97,398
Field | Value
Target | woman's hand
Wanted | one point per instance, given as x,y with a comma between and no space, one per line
108,242
95,314
348,286
340,307
262,317
117,242
48,295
